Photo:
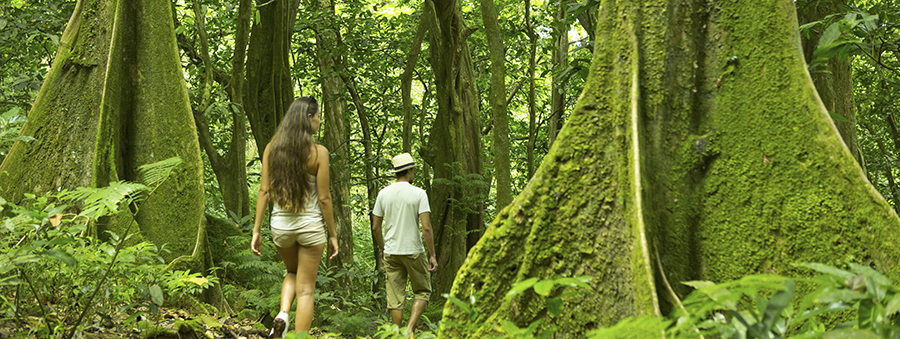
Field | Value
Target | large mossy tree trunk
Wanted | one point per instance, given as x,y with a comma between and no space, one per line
454,146
337,130
115,99
699,134
269,91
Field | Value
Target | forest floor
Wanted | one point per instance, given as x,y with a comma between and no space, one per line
168,323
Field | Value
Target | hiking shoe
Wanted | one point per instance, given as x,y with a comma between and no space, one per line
279,326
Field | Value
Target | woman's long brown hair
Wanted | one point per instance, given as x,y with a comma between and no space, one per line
289,155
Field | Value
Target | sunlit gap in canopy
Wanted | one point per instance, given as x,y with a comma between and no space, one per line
387,9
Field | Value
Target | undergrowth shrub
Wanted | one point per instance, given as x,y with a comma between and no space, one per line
53,266
766,306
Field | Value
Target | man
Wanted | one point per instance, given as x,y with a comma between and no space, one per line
400,207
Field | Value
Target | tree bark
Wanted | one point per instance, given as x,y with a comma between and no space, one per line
337,135
835,83
407,77
230,168
110,104
498,103
368,169
532,110
269,91
587,21
454,145
560,64
698,133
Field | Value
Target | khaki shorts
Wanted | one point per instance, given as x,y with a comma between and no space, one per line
310,235
397,268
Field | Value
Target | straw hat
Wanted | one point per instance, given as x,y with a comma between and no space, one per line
403,162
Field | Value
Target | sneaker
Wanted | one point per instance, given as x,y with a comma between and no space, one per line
279,326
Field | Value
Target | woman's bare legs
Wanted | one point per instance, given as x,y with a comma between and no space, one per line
304,260
289,256
308,259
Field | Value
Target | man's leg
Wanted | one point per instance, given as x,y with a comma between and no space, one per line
418,308
396,316
420,281
395,287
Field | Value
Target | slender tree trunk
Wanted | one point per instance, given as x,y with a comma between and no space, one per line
269,91
560,63
406,80
699,134
371,189
532,66
230,168
337,134
454,147
834,83
498,103
588,22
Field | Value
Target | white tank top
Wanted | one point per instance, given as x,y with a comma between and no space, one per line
283,219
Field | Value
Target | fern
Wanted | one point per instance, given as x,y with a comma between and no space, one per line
154,174
103,201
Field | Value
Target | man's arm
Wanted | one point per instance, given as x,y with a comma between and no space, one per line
376,232
427,233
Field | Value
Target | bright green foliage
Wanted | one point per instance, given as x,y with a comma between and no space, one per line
61,265
763,306
46,260
10,124
29,36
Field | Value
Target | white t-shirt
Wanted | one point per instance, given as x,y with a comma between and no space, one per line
400,205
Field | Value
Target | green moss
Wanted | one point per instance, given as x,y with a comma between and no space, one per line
742,172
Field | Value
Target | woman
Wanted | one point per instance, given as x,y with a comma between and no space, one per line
295,175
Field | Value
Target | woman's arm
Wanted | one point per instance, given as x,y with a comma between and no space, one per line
262,202
323,179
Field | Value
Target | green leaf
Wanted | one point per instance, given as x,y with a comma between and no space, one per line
699,284
509,327
875,281
521,287
576,281
837,117
808,26
849,333
63,256
778,302
822,268
830,35
839,295
459,303
547,333
15,111
893,306
156,294
869,313
544,287
869,21
55,39
555,306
